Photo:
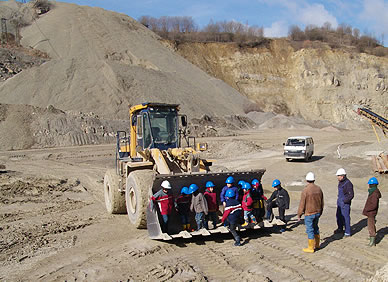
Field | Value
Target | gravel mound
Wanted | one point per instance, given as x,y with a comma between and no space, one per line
281,121
103,61
260,117
229,149
24,127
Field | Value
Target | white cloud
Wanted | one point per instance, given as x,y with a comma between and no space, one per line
376,13
277,29
300,12
316,14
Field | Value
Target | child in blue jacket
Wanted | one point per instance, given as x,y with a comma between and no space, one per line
232,214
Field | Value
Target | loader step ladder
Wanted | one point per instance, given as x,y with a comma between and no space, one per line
375,119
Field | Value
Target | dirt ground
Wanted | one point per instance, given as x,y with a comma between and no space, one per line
53,224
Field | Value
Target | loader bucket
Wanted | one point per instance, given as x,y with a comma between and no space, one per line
184,179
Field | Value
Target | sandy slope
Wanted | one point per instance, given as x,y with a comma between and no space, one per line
102,61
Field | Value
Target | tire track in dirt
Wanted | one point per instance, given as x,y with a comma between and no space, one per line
165,262
222,267
258,264
174,270
296,259
158,250
346,255
278,253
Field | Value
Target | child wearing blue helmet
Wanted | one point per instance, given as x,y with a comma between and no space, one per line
198,205
229,185
258,199
279,199
182,206
212,204
247,205
233,214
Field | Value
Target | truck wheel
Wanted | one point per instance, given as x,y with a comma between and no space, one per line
114,199
139,183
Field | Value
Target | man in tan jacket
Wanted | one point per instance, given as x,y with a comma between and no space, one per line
311,205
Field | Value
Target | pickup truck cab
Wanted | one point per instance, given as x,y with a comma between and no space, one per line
299,147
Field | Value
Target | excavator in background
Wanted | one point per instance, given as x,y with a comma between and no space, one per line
159,148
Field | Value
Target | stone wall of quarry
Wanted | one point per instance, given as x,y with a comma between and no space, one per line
314,83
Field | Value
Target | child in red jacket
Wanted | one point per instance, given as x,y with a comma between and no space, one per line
182,206
247,205
212,203
165,202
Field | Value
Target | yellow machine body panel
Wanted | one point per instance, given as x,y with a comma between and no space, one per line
161,158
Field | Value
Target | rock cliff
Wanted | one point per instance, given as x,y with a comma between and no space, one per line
315,83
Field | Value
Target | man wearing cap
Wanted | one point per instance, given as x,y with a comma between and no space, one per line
311,205
344,200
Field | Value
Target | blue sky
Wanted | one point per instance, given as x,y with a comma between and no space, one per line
275,16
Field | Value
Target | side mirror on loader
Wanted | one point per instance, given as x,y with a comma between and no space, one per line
184,120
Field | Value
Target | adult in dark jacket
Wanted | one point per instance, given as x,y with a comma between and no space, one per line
344,201
279,199
232,214
371,208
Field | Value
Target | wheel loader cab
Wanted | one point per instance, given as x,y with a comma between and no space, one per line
157,127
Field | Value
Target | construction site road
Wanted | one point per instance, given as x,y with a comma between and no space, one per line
54,227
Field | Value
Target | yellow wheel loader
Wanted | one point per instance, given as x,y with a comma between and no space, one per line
158,148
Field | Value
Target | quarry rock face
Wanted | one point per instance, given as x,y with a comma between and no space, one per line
313,83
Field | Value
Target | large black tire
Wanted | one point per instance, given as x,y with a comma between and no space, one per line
137,192
114,199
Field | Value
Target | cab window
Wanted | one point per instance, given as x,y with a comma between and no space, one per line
164,127
147,132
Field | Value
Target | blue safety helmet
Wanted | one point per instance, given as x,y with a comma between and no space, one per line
209,184
275,183
193,188
229,180
255,182
241,183
247,186
185,190
373,180
230,193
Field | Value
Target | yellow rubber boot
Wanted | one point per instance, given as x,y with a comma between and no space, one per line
245,224
188,227
317,241
184,226
310,248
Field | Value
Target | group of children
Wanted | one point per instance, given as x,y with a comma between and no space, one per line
243,204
